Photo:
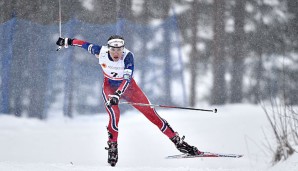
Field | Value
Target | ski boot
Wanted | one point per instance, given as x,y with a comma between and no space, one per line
112,153
183,147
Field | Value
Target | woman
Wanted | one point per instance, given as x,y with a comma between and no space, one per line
117,64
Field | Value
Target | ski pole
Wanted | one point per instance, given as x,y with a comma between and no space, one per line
166,106
59,23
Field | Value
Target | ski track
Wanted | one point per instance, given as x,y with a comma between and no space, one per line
60,144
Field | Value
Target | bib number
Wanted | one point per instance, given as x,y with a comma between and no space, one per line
114,74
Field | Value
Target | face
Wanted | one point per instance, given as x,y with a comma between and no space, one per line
116,53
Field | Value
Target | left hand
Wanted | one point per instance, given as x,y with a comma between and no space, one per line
114,99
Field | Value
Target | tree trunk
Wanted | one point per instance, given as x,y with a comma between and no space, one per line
6,56
257,89
238,56
292,9
143,63
219,92
194,55
37,80
125,10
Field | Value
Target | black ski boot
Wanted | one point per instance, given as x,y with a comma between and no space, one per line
183,147
112,153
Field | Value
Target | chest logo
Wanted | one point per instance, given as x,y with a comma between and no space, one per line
104,65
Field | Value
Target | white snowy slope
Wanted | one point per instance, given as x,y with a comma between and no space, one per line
78,144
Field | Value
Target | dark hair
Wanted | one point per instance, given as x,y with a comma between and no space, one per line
115,37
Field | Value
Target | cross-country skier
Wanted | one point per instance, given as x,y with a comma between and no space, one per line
117,64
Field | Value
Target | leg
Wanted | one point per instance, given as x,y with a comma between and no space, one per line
135,94
114,113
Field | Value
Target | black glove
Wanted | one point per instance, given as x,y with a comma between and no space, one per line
64,41
114,99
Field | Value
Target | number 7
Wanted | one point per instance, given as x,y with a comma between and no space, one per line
114,74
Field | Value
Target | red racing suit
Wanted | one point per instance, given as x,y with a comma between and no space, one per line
118,76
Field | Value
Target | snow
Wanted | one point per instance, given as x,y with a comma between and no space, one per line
60,144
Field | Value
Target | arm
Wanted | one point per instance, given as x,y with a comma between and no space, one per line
91,48
128,72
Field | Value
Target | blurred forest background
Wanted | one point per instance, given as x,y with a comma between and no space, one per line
186,52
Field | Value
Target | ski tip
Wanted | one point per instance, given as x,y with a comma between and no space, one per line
233,155
204,154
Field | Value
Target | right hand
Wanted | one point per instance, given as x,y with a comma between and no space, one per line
64,41
60,41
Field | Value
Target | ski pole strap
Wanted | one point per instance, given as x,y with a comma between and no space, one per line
166,106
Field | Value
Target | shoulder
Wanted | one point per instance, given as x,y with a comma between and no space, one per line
128,54
103,52
129,59
104,49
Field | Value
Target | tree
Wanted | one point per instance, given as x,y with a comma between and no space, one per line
107,11
292,34
194,55
238,53
293,23
29,65
7,29
160,9
219,93
125,10
268,41
6,11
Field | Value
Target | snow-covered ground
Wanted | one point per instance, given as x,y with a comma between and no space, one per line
61,144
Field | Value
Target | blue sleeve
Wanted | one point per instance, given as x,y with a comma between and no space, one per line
91,48
128,66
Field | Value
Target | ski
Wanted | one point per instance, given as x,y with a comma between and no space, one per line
203,154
